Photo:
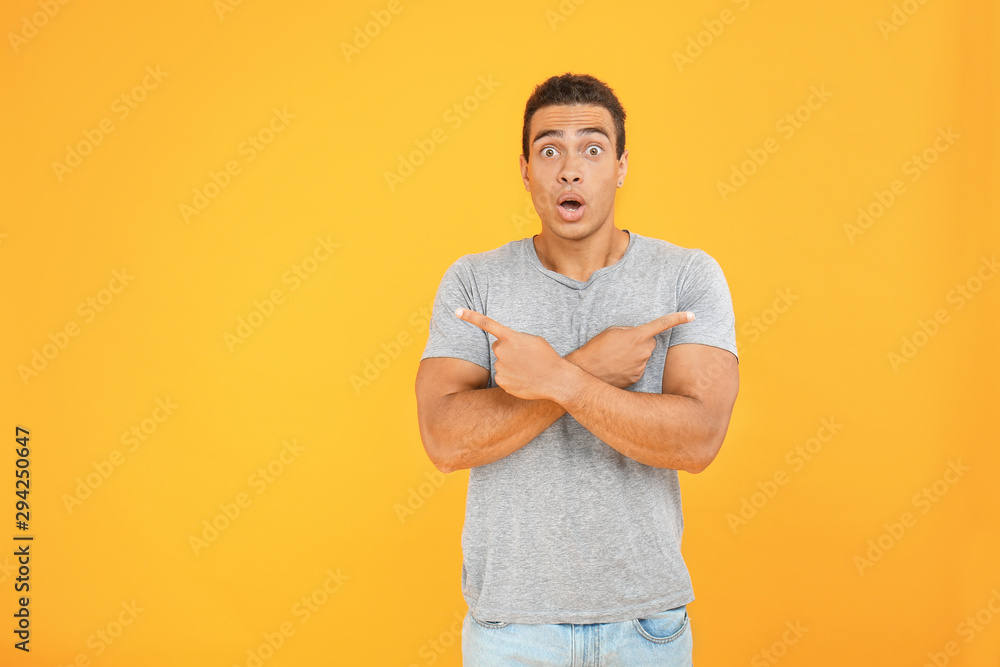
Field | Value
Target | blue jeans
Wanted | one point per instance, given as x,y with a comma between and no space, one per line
662,639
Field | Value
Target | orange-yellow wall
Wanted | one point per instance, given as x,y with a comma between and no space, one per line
822,304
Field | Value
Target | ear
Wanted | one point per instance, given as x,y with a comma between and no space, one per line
623,165
524,171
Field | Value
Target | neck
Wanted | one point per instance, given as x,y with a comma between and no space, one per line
578,258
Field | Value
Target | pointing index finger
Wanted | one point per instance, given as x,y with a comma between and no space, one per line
664,322
487,324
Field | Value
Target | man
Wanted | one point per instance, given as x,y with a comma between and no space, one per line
574,373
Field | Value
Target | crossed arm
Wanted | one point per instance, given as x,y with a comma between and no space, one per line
463,424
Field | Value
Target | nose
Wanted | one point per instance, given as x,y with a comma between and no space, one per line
570,172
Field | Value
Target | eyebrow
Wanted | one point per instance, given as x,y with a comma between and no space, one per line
580,132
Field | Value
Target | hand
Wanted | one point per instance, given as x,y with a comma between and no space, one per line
526,365
618,355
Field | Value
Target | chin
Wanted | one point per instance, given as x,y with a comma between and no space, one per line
573,230
576,229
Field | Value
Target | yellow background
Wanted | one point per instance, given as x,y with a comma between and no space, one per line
335,506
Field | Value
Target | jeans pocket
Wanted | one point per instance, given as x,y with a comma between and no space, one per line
491,624
663,627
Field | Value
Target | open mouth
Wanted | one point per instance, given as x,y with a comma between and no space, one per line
571,206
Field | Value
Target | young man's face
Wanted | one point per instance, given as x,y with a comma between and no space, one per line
572,149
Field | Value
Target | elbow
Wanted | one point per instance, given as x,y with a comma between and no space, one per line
432,445
443,462
434,453
447,465
706,452
450,461
698,465
440,456
434,436
444,468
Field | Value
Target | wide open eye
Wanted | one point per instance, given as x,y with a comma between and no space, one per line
594,149
546,153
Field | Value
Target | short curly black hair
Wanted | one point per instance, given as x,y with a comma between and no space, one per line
575,89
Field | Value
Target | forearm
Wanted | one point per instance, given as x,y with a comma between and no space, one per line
660,430
479,426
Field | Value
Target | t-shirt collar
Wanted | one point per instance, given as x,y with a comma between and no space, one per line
529,248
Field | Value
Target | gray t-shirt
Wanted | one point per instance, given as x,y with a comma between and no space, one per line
566,529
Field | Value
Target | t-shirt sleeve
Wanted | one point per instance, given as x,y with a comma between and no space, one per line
448,335
702,289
